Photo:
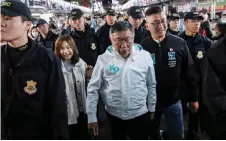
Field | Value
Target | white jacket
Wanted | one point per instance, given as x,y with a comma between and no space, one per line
127,87
72,105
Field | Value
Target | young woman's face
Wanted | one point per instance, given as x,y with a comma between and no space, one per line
34,33
66,51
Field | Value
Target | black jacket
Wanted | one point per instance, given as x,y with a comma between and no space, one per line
214,78
66,31
104,37
140,34
33,96
198,46
88,45
214,90
49,41
220,36
176,33
173,62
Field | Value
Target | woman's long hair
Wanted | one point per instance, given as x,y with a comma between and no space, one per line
71,42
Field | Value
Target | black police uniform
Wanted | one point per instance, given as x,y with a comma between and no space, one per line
198,46
49,41
176,33
33,94
87,44
173,16
104,36
140,34
214,90
173,62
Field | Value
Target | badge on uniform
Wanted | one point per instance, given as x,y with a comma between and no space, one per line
31,87
93,46
172,58
200,54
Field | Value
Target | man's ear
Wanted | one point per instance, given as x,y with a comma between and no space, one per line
111,37
28,25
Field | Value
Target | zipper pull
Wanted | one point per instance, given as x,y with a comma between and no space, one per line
159,45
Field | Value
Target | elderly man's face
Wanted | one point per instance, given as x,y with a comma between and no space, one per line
122,42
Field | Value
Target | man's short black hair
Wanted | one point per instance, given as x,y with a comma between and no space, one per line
121,26
153,10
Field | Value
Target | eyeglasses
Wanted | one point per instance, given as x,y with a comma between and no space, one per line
120,41
158,23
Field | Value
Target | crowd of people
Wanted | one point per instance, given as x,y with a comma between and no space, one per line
139,67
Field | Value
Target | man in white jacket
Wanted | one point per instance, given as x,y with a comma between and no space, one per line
125,79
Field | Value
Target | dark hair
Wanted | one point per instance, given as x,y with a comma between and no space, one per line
121,26
71,42
219,14
204,11
30,30
221,27
153,10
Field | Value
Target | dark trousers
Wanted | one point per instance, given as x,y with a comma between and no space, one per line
174,122
79,131
136,128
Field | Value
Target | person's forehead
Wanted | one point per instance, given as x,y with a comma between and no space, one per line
134,18
192,19
74,18
40,25
110,15
157,16
65,43
14,17
173,20
123,34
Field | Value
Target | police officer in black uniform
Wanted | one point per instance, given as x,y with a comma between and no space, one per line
214,89
33,97
103,32
85,38
46,37
198,45
136,18
174,24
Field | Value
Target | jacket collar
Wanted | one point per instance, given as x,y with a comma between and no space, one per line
28,57
197,38
87,32
78,64
49,35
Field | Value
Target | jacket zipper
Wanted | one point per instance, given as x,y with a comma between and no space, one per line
160,53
